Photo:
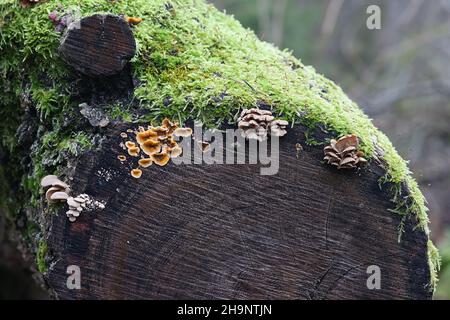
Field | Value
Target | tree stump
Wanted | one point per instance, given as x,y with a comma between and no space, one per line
227,232
98,45
198,231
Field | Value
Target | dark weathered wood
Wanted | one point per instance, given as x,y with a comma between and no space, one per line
99,45
225,231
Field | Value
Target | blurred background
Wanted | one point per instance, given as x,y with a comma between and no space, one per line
400,76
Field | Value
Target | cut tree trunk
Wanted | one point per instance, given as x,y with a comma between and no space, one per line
227,232
196,231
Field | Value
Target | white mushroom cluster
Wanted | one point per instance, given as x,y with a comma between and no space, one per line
79,203
58,191
257,124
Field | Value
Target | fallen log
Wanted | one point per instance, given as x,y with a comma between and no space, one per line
104,224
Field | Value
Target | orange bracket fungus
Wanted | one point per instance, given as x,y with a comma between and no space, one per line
145,162
136,173
156,143
183,132
134,151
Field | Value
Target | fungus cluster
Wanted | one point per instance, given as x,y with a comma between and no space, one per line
79,203
257,124
58,191
344,153
153,145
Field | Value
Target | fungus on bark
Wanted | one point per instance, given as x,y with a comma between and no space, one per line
257,124
136,173
344,154
150,147
134,151
145,162
183,132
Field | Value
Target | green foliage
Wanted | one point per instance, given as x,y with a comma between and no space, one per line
41,255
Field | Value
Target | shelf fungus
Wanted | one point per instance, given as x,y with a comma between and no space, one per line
134,151
136,173
145,162
183,132
344,154
150,147
257,124
156,145
130,144
161,158
80,203
176,151
58,191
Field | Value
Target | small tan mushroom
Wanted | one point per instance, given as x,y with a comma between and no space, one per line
74,213
162,132
183,132
72,203
176,152
151,147
50,192
141,137
136,173
134,151
169,125
53,181
130,144
161,158
122,158
171,143
124,135
59,196
48,181
79,199
145,163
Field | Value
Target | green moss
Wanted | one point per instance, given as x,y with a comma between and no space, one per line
434,260
120,112
193,62
41,255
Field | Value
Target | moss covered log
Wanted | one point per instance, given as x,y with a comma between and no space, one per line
192,63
